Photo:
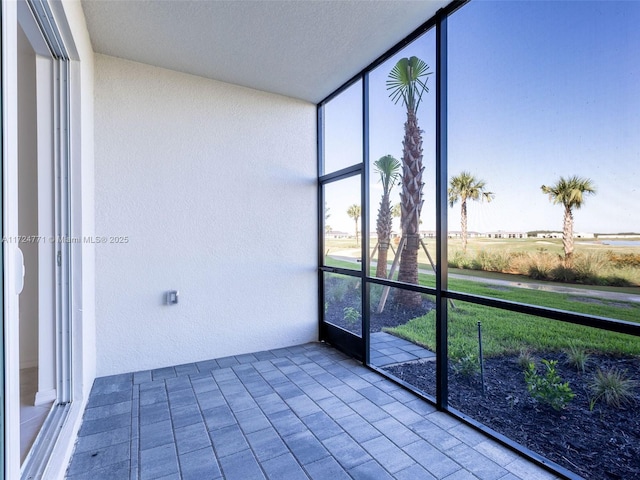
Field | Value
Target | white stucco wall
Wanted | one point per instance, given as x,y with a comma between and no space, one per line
214,187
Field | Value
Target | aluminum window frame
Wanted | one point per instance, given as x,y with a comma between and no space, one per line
441,291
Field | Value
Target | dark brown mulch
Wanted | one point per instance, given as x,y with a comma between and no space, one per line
603,443
394,314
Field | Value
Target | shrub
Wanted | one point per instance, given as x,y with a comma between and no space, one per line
460,260
492,261
587,267
622,260
465,363
613,386
548,389
577,357
563,274
337,289
616,281
538,273
351,315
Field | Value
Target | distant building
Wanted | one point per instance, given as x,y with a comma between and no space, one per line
618,235
337,234
506,234
559,235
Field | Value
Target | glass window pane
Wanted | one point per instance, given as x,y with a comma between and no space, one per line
564,423
343,302
544,115
402,340
343,129
402,165
342,223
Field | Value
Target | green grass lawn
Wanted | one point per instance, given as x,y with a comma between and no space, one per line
510,332
506,332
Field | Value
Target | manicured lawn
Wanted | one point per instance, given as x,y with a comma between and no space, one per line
507,332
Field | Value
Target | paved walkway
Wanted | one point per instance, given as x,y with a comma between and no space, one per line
294,413
388,350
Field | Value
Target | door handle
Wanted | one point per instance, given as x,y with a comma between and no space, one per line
19,270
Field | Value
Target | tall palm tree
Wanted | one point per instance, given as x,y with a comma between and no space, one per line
388,167
465,187
327,227
570,192
354,212
407,82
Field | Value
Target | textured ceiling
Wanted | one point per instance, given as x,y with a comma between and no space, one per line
302,49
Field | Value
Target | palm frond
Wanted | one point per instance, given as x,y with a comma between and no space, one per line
569,191
408,82
388,167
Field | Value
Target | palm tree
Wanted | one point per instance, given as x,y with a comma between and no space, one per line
569,192
465,187
354,212
407,83
327,227
388,167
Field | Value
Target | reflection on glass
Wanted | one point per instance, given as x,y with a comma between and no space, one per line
343,129
520,387
343,302
552,148
342,224
402,162
398,340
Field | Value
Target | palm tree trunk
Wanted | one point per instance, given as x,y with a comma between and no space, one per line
408,272
411,205
567,237
383,229
381,268
463,223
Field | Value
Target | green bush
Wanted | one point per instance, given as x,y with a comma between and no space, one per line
465,362
548,389
351,315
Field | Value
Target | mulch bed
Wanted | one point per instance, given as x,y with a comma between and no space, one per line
603,443
393,315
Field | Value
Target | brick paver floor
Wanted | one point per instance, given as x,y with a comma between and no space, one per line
293,413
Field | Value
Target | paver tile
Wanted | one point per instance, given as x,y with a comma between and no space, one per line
266,444
199,464
158,461
298,412
284,466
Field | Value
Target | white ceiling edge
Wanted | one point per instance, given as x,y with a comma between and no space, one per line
297,48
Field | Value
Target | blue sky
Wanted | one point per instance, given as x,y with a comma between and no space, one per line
536,90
